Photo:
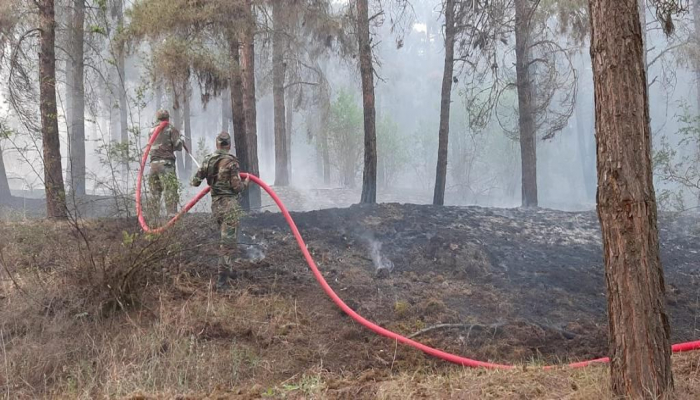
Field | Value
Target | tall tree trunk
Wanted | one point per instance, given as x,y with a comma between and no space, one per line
443,135
639,328
76,106
53,172
526,118
369,173
239,132
121,87
696,35
5,194
278,78
249,102
68,70
226,110
187,120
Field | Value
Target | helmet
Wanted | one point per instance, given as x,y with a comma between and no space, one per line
223,139
162,115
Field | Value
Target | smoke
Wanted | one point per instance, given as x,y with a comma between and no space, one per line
380,262
250,250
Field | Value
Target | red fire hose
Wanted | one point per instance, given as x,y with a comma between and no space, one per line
676,348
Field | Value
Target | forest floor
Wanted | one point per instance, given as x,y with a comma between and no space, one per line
96,309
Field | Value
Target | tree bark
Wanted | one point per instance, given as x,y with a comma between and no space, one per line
278,78
526,118
640,350
445,100
53,172
5,194
76,106
249,102
369,173
239,134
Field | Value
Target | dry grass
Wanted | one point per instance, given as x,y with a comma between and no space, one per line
178,339
531,383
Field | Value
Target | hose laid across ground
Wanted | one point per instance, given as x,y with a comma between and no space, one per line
468,362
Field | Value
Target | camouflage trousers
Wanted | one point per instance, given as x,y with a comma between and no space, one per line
227,213
163,178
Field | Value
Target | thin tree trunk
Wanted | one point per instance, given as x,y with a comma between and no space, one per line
443,135
278,78
640,350
5,194
249,102
76,106
369,173
526,120
121,87
69,77
53,172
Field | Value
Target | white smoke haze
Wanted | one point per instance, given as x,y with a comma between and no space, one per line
483,165
380,262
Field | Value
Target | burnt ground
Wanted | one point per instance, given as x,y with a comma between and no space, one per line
501,285
515,285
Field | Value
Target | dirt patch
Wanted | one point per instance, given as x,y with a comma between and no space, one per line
537,275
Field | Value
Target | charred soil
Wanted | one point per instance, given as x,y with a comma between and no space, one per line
509,286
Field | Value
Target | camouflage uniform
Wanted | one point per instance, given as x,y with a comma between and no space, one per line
221,171
163,177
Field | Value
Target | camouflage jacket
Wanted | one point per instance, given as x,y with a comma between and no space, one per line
166,144
221,171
